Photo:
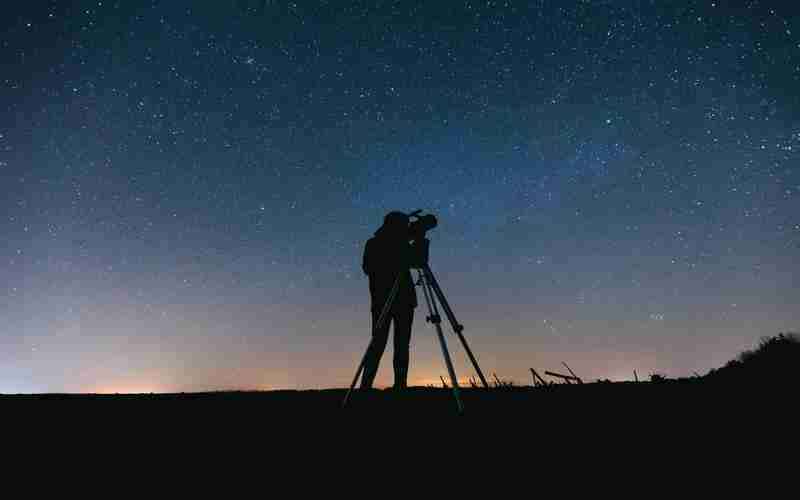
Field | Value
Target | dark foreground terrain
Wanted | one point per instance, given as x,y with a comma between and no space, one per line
600,423
755,392
609,402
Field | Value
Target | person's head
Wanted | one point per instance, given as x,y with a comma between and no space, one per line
395,223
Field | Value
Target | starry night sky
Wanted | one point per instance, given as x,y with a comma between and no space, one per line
186,187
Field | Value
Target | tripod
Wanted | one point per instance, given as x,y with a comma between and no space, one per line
432,292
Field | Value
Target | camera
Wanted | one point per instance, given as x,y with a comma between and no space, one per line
420,225
420,245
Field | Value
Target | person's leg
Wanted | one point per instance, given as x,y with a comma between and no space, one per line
403,319
375,350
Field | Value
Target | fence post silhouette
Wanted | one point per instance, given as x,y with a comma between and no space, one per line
537,376
580,381
568,379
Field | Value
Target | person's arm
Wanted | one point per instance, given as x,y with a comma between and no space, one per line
366,261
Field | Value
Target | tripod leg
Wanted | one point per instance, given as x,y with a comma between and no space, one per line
437,323
457,327
387,306
358,374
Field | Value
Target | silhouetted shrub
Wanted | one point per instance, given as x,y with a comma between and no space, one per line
504,384
657,378
776,359
772,348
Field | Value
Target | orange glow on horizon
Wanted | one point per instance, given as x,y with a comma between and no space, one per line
150,387
128,389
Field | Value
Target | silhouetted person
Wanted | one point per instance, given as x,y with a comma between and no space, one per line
387,255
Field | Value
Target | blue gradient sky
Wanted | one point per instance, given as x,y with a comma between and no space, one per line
187,186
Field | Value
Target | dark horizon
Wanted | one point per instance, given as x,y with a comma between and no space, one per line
186,187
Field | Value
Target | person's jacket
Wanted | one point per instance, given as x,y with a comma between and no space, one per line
386,255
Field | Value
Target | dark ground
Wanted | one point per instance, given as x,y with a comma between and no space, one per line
744,402
672,401
557,427
760,383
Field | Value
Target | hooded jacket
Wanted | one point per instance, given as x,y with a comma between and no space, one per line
386,254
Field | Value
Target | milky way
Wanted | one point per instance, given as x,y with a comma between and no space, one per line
187,186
